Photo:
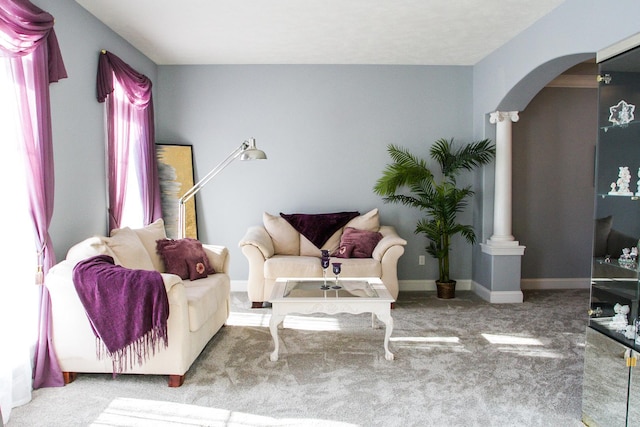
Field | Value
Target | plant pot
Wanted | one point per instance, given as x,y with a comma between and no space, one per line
446,290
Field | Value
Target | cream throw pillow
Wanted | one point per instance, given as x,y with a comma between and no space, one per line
129,250
369,221
286,239
148,236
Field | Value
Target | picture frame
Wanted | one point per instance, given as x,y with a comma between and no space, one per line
176,175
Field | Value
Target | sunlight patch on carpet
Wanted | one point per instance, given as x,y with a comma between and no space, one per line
143,413
248,319
429,343
305,323
511,340
523,346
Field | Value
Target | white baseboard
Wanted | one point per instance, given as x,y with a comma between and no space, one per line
498,297
239,286
468,285
429,285
405,285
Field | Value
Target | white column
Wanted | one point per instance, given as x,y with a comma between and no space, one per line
503,257
502,217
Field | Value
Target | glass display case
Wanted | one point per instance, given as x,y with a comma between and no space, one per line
612,339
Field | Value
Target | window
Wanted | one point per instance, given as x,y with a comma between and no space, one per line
128,141
133,185
19,295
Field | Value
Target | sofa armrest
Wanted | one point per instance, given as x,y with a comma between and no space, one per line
257,236
170,280
218,257
390,238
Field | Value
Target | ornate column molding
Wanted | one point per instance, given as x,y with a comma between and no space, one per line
502,217
499,116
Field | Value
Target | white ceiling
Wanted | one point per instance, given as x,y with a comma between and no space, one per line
421,32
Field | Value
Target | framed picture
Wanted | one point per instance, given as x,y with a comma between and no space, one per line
175,170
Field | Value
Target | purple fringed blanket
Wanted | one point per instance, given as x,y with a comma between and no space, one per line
128,309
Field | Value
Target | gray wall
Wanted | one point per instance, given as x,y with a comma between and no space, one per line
78,122
553,166
325,130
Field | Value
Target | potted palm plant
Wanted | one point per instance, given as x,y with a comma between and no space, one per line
409,181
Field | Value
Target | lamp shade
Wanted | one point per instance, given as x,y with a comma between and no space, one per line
251,152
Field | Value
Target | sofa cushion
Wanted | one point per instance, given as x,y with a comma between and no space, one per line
368,221
204,298
148,236
286,240
129,250
185,258
357,243
292,266
360,267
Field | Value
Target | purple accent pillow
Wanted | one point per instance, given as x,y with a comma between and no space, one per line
357,243
318,228
185,258
344,250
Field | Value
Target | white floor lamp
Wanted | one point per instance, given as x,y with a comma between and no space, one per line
246,151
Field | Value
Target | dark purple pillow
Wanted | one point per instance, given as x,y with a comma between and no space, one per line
357,243
185,258
318,228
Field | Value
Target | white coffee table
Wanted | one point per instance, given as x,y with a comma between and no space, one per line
356,295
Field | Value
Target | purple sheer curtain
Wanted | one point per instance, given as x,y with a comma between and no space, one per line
29,40
138,112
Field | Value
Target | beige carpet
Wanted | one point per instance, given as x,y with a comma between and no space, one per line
461,362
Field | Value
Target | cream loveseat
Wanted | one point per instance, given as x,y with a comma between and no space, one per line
197,309
276,249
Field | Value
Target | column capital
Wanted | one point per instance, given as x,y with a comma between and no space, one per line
499,116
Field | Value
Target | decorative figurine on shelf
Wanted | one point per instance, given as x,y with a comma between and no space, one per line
628,258
622,184
630,332
619,322
622,113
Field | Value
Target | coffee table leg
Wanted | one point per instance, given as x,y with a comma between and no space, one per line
388,321
273,327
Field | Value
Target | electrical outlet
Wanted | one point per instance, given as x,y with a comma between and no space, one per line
421,260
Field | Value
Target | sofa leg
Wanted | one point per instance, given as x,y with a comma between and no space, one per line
256,304
176,380
393,305
69,377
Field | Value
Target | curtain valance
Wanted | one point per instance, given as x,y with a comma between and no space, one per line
137,86
23,28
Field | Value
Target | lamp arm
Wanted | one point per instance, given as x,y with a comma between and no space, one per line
198,186
208,177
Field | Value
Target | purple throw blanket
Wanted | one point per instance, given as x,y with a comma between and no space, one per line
128,309
318,228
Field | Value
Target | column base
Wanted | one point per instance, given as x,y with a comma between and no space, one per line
499,280
508,247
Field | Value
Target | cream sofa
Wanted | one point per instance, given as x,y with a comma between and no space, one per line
197,309
275,249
